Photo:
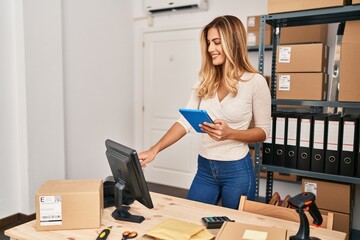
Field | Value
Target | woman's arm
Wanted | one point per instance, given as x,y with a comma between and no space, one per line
175,133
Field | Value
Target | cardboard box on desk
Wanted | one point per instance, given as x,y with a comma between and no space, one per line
279,6
311,57
349,83
301,86
331,196
233,230
69,204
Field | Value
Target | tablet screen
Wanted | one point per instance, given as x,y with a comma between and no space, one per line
196,117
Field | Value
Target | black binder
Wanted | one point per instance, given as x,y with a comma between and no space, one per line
279,146
349,145
305,137
318,143
292,132
267,146
332,153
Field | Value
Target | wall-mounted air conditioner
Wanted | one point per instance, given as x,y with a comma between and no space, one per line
158,6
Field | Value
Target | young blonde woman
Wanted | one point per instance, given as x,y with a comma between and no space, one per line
233,93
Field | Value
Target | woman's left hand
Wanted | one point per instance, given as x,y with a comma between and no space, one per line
219,130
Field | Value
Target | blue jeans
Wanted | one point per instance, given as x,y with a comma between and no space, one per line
225,180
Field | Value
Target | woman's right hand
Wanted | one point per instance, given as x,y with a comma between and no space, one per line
147,157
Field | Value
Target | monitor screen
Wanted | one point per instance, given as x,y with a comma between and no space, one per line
129,180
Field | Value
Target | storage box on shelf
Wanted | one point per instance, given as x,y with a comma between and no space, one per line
253,31
349,63
279,6
308,86
302,58
314,34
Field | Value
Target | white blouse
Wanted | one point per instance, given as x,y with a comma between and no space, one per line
253,100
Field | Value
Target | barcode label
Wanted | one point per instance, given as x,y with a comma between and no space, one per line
50,210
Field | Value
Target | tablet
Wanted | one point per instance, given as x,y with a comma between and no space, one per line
195,117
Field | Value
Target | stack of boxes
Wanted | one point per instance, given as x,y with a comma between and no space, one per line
302,63
302,71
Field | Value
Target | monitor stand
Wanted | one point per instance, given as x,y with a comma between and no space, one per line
122,212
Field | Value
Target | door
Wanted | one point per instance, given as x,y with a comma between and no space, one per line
171,64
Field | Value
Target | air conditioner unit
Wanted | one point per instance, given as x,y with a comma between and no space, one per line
158,6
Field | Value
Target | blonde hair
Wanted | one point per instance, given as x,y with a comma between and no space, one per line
233,43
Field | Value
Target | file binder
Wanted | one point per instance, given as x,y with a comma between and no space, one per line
305,137
349,145
318,143
279,146
332,153
291,146
267,146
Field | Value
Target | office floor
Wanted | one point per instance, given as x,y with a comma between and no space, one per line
177,192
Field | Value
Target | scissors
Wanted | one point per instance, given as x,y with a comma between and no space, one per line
129,235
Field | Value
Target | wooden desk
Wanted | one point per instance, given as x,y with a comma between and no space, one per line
165,207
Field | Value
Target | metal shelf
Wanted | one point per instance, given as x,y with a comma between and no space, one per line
318,16
256,48
316,103
300,18
331,177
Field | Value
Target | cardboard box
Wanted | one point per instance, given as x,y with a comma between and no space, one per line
233,230
278,6
349,83
301,86
69,204
341,222
331,196
253,38
253,31
302,58
355,2
314,34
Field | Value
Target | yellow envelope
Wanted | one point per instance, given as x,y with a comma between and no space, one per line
172,229
202,235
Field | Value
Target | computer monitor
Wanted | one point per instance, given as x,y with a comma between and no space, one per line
129,180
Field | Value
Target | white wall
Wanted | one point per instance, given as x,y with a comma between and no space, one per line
98,82
8,125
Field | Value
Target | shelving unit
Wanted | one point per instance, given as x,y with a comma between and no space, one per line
309,17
